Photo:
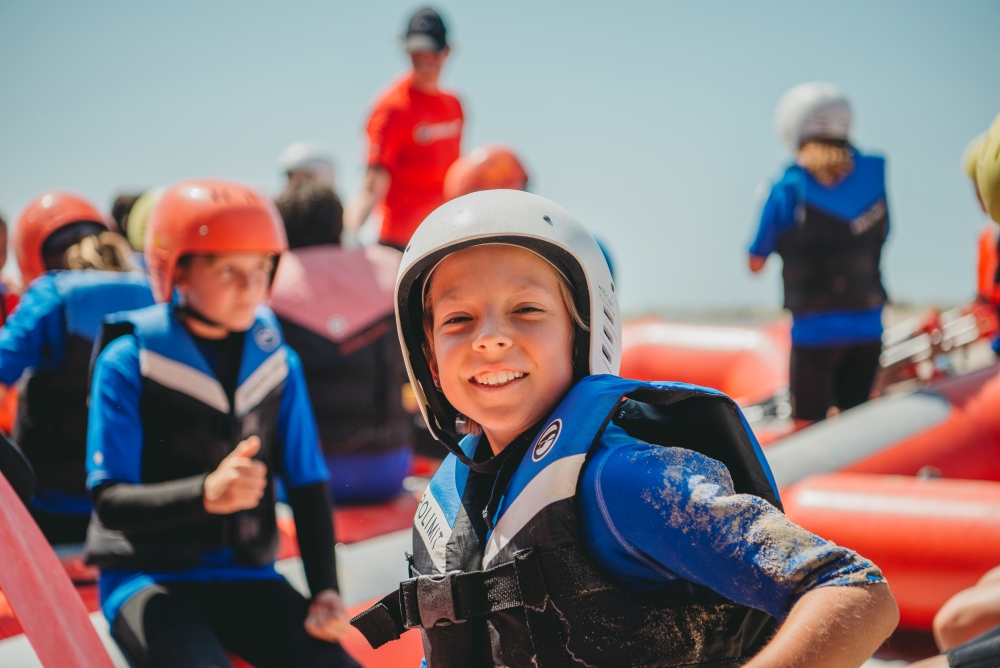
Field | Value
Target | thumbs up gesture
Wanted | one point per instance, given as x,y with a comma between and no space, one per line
239,481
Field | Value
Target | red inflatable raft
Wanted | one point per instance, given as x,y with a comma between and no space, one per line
950,428
931,537
749,363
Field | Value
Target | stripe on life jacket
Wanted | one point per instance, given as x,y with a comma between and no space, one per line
271,373
555,482
184,379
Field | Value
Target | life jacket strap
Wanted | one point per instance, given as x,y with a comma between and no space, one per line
530,581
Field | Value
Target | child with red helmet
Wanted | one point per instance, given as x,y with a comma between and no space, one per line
45,346
197,406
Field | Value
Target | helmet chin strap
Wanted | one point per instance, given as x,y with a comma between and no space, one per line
491,465
191,312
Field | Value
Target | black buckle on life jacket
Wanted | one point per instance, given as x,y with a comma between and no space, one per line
436,599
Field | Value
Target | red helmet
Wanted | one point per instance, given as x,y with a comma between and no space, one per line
50,211
205,216
489,167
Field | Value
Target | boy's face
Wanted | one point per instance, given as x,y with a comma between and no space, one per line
502,338
227,288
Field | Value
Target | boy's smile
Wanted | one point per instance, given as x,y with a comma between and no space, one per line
502,338
500,378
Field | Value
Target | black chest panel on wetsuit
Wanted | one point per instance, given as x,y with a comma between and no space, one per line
833,264
183,437
51,425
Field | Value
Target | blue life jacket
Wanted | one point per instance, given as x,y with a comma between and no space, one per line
527,593
189,426
831,256
51,425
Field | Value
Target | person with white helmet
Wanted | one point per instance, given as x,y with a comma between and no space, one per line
307,160
414,134
585,519
828,218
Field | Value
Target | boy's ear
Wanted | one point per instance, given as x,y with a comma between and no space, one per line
433,365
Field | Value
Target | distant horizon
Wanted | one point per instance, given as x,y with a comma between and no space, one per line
651,122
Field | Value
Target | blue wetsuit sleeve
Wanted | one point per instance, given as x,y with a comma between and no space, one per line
671,514
34,337
777,216
303,460
114,430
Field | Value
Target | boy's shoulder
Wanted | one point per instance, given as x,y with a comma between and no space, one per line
122,353
623,462
82,278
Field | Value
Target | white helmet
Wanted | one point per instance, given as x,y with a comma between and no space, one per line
813,110
520,219
311,158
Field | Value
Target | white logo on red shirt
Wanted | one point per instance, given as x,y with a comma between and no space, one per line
427,133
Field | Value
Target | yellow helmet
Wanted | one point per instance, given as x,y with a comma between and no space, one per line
988,172
135,227
970,157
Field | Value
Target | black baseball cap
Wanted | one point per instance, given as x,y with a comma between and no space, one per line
426,32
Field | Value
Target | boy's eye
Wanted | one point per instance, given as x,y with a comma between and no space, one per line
456,319
528,309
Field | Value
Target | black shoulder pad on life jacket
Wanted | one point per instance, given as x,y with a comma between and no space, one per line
109,332
705,423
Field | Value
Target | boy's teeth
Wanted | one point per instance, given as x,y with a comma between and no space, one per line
499,378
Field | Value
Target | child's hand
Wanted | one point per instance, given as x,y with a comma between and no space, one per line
328,620
238,483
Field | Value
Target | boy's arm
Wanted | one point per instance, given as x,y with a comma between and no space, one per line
314,528
306,474
738,545
34,334
832,627
777,215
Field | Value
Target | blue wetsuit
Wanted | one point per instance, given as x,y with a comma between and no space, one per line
845,201
51,334
116,439
702,539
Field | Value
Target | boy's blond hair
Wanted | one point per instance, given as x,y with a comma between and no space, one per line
828,162
464,424
106,251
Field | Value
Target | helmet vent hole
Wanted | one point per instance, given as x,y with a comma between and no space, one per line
607,335
607,353
610,317
547,219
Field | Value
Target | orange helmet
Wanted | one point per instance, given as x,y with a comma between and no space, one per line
206,216
489,167
47,213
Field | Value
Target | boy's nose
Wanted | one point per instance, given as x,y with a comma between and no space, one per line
491,335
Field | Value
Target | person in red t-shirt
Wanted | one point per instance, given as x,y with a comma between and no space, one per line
414,134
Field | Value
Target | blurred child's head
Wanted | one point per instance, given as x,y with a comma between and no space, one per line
504,301
48,226
216,243
312,214
227,288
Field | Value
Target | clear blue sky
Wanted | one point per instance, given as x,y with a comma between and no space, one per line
651,121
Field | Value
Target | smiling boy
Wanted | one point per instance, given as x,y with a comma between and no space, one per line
585,519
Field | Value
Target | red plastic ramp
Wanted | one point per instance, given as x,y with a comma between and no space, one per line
40,593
